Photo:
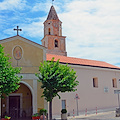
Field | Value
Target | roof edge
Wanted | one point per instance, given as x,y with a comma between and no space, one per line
90,65
25,39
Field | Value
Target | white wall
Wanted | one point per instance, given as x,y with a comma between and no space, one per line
90,97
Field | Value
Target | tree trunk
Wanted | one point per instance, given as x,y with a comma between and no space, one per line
50,110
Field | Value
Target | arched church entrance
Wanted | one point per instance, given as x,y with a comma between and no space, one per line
18,104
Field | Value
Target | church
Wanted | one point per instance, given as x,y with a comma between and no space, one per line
97,79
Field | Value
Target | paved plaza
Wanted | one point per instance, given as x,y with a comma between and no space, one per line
110,115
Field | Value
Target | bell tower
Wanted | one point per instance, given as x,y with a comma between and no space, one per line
53,39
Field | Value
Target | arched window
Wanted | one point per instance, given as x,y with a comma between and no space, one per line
49,31
56,43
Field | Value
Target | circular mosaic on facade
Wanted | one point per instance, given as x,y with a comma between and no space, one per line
17,53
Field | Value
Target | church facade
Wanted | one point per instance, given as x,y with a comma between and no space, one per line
97,79
27,99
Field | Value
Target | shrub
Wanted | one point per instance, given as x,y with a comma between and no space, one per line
6,117
43,111
63,111
35,115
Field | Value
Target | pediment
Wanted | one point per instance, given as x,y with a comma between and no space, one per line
17,37
24,53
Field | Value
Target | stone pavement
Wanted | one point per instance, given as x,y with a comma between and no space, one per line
109,115
102,114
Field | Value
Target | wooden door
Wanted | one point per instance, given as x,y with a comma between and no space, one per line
14,106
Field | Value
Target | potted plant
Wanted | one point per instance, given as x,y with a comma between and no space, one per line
6,118
43,113
64,114
35,116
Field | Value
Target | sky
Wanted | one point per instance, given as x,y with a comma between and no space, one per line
91,27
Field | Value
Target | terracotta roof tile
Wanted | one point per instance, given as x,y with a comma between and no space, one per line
82,62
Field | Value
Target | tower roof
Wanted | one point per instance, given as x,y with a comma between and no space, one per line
52,14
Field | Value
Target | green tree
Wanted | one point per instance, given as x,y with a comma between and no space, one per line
9,81
56,78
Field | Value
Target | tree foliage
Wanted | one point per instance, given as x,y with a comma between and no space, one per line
9,81
56,78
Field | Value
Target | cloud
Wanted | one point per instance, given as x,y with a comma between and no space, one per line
32,29
12,4
92,29
45,5
41,6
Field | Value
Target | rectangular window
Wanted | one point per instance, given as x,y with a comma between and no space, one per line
63,104
95,82
114,82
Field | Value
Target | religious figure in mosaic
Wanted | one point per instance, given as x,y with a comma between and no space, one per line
17,53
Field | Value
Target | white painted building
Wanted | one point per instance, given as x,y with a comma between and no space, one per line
96,87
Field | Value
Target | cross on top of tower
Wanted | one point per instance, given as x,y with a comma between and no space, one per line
52,2
17,29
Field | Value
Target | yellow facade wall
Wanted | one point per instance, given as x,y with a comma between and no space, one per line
31,55
30,82
40,100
